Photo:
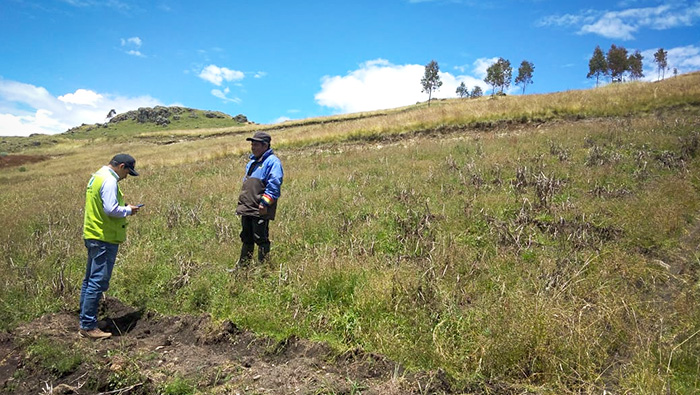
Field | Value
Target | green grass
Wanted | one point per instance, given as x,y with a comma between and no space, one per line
178,386
558,258
55,357
129,125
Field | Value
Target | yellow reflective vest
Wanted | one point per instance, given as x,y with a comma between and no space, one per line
97,224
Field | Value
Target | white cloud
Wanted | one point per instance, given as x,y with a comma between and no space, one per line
113,4
684,59
563,20
134,41
131,46
216,75
17,92
223,95
626,23
82,96
378,84
281,119
27,109
610,27
481,65
23,125
76,3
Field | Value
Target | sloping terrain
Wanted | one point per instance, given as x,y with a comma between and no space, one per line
18,160
543,244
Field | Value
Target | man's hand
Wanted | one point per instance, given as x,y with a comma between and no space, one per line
262,209
134,209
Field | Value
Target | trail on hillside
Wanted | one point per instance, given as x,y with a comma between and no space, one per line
147,351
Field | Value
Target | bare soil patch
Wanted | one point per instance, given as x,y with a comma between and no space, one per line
147,351
18,160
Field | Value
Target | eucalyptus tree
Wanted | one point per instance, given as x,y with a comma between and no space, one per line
525,74
661,60
462,90
494,76
634,64
618,63
431,79
476,92
499,75
597,65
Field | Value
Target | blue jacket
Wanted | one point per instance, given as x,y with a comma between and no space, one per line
262,184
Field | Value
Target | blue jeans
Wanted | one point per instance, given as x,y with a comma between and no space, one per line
100,262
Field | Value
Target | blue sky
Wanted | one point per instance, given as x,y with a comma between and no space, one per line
68,62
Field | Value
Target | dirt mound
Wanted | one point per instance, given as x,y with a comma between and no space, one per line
147,352
16,160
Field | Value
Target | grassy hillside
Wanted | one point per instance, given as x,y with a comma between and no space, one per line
143,121
528,244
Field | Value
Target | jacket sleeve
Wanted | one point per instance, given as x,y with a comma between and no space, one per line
273,183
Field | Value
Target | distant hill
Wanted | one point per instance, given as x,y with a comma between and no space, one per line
165,115
146,119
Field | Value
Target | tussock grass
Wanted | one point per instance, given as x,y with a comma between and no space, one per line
541,244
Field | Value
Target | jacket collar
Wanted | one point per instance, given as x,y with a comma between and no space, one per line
263,156
112,172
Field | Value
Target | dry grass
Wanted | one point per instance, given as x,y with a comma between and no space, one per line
539,244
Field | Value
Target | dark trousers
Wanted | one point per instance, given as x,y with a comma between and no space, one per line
254,230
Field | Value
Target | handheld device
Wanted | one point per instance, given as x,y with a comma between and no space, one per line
139,205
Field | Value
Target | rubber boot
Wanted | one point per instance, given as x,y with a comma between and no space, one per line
246,254
263,252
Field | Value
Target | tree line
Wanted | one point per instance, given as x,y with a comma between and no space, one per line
498,76
617,64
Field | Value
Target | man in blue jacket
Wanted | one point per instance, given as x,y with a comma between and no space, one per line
257,202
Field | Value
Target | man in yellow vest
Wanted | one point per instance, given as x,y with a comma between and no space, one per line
104,228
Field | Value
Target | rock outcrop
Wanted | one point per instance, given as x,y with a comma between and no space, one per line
162,116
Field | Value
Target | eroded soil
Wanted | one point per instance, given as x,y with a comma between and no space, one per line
147,352
17,160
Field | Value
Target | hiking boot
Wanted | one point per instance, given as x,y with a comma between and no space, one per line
246,254
263,253
95,334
